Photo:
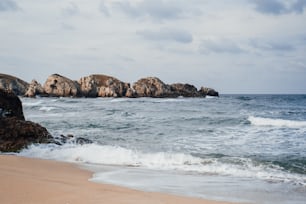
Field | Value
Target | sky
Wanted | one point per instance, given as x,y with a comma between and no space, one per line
241,46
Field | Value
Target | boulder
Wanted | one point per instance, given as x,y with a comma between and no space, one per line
34,89
15,132
13,84
204,91
152,87
10,105
102,86
57,85
185,90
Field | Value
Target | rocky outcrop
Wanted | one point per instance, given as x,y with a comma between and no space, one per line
57,85
208,92
102,86
185,90
152,87
98,85
34,89
15,132
10,105
13,84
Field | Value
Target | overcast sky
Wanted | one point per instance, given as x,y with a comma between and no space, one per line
241,46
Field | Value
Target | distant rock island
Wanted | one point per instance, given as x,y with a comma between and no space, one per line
98,85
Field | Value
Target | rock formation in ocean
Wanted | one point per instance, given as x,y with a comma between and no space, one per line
14,84
98,85
152,87
208,91
185,90
15,132
57,85
34,89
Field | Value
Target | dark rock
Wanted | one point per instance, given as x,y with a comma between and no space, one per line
185,90
71,139
57,85
17,134
208,92
13,84
10,105
152,87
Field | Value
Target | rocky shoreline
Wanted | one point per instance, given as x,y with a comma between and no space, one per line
98,85
16,133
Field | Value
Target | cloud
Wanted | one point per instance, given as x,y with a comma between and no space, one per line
8,5
271,45
166,34
219,46
278,7
103,8
156,9
71,10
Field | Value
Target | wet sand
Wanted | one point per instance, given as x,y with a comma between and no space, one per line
26,180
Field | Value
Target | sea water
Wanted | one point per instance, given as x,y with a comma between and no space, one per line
242,148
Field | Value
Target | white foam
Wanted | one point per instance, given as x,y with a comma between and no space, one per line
47,108
112,155
32,103
259,121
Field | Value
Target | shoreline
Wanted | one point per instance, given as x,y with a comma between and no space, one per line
28,180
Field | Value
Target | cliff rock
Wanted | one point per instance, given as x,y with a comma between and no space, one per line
57,85
102,86
13,84
185,90
34,89
208,92
152,87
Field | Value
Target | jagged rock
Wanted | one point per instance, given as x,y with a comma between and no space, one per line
185,90
57,85
102,86
34,89
152,87
10,105
208,92
15,132
70,138
14,84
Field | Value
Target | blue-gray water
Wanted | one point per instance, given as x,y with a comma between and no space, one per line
249,148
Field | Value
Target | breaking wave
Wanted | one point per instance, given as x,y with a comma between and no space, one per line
115,155
259,121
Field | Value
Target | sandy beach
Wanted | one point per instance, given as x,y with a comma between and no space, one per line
25,180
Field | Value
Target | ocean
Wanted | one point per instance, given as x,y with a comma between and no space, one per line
241,148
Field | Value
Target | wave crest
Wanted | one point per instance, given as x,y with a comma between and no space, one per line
259,121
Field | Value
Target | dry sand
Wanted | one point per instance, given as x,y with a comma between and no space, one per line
30,181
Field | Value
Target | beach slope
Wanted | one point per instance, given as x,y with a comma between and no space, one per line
25,180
